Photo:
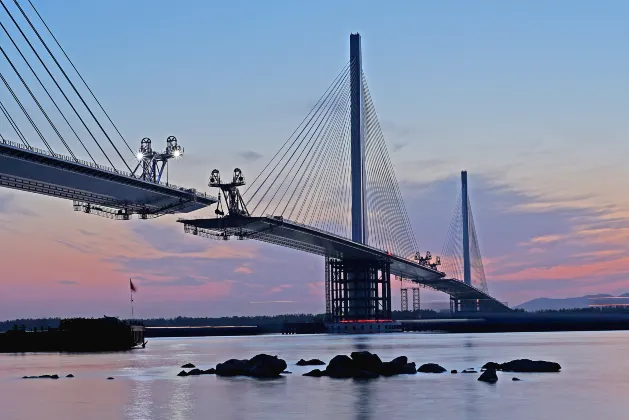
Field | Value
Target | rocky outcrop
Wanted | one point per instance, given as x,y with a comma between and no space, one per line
260,366
110,378
470,371
366,361
364,365
265,366
188,366
311,362
526,365
55,376
69,375
431,368
454,371
316,373
341,366
491,365
515,379
197,372
489,375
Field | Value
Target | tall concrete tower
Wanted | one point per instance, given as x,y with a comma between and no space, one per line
359,211
467,271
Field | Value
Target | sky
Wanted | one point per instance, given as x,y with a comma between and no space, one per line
529,97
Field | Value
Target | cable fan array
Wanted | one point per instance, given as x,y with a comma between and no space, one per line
452,254
58,108
308,180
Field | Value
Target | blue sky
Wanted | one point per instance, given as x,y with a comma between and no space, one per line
530,97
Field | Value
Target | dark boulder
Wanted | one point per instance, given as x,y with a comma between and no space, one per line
317,373
492,365
400,361
195,372
365,374
233,367
397,366
364,360
188,366
431,368
409,369
526,365
454,371
182,373
265,366
470,371
110,378
55,376
489,376
311,362
210,371
69,375
515,379
341,366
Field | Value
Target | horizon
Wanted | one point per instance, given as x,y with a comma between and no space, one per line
524,98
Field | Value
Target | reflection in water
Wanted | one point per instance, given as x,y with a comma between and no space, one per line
141,401
362,388
180,404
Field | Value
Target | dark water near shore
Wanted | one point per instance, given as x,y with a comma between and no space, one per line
594,382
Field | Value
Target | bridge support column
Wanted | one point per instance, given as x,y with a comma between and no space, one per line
359,290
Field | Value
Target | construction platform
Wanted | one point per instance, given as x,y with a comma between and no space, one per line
90,185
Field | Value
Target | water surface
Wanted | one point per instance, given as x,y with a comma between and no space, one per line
594,382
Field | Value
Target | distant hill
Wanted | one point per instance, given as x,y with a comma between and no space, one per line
541,304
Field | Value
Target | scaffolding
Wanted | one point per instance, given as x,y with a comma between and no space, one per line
358,290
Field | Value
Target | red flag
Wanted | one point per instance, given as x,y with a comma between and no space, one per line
132,286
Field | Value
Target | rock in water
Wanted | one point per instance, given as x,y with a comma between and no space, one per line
69,375
431,368
195,372
409,369
470,371
233,367
182,373
492,365
340,366
396,366
209,371
489,376
317,373
515,379
526,365
454,371
366,361
311,362
110,378
188,366
265,366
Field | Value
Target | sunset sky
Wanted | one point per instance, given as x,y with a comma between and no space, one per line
530,97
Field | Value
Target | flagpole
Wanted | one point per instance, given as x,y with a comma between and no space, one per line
131,293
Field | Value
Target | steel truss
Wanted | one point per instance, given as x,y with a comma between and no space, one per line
359,290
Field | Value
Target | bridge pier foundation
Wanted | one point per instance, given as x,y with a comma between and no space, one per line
358,290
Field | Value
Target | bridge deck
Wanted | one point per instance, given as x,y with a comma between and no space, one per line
305,238
38,171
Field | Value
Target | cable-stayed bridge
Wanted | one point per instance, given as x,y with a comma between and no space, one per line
45,100
331,190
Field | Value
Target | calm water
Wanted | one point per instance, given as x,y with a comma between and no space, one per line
594,383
